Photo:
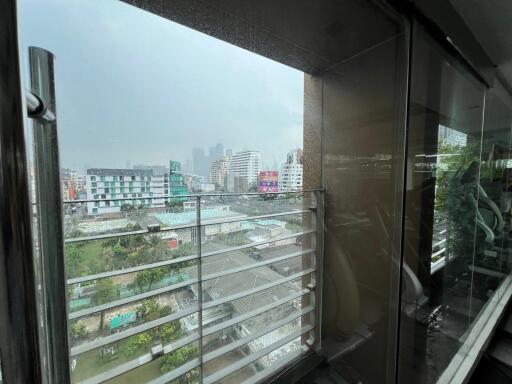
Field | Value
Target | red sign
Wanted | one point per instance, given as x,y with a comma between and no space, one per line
268,181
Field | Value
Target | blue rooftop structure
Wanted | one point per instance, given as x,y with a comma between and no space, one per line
183,218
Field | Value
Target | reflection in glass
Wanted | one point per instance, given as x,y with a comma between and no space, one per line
456,210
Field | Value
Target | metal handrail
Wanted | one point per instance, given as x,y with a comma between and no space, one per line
37,109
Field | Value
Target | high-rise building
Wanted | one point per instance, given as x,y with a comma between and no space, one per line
235,184
291,172
177,186
295,157
139,186
215,152
218,171
246,164
200,162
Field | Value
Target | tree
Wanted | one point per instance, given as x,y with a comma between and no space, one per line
147,277
75,233
134,343
105,293
126,208
171,331
78,331
110,243
177,358
153,240
120,252
73,258
149,310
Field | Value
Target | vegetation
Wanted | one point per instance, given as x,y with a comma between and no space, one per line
127,208
136,343
105,293
78,331
171,331
180,356
145,279
458,174
175,205
149,310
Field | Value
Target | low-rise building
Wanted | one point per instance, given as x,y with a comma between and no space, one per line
135,187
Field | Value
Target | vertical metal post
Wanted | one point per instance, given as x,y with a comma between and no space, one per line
318,198
49,206
199,285
19,342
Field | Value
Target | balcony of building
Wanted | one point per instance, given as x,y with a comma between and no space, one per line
392,263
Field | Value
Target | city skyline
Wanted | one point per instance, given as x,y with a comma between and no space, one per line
128,164
183,101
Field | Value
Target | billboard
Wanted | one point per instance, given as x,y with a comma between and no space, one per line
268,181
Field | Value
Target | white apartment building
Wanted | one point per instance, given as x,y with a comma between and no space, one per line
138,186
246,164
219,170
291,172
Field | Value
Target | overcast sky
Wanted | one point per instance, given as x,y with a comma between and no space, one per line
134,87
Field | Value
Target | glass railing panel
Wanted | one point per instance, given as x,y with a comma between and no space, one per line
128,289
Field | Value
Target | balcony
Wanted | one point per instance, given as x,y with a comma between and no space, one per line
219,288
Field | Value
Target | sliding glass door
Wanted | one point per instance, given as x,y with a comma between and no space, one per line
456,213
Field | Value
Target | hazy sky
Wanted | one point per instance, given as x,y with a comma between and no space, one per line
134,86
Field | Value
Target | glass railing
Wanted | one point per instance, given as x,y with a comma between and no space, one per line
207,288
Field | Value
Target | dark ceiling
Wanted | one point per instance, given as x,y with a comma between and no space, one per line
313,36
491,24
